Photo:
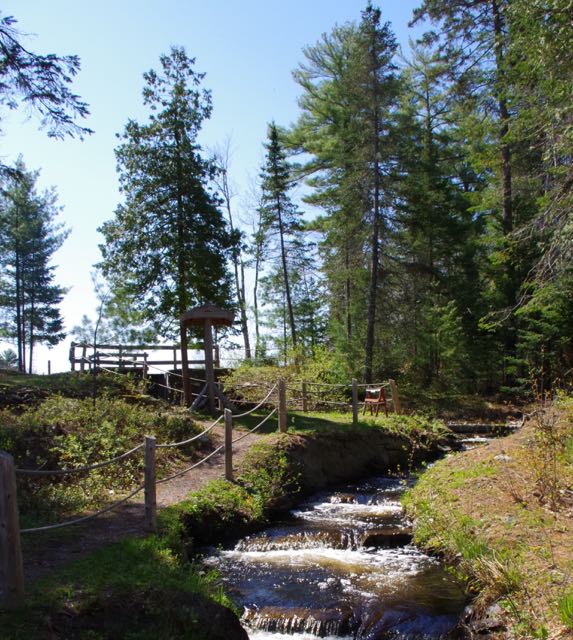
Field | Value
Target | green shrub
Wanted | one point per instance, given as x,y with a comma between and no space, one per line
268,475
70,433
566,610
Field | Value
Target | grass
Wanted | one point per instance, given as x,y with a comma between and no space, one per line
502,516
136,588
334,422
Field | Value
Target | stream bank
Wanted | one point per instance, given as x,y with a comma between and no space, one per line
502,515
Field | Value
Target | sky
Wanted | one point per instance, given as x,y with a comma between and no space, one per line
248,50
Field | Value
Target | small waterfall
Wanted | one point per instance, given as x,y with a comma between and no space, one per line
341,566
321,623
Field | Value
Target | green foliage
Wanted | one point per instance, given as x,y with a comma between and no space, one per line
267,474
71,433
41,83
167,247
29,236
8,359
566,610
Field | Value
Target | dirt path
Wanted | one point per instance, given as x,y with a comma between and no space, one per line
46,551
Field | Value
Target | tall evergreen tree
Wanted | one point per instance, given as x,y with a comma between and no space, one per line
350,91
476,37
281,219
29,236
167,247
437,233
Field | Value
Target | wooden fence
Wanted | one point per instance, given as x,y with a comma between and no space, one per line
84,356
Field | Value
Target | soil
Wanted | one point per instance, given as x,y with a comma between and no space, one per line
44,552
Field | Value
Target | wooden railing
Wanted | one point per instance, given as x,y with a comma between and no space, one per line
84,356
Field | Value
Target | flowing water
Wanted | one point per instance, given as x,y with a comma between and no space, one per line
341,565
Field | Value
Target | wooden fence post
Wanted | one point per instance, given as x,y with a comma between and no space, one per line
395,397
150,488
354,402
11,571
304,398
228,445
282,407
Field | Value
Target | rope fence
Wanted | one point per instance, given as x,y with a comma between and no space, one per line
91,516
11,567
62,472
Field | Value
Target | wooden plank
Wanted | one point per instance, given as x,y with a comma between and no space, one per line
150,487
209,371
141,347
282,407
11,570
395,397
354,402
304,398
228,445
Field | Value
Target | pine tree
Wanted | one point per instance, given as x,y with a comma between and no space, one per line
281,220
167,247
40,83
436,244
29,236
350,91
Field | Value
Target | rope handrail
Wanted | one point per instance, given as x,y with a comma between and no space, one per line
196,437
248,433
68,523
180,473
61,472
242,385
345,404
261,403
327,384
298,390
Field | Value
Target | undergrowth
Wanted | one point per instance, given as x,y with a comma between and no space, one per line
504,521
221,510
66,432
135,589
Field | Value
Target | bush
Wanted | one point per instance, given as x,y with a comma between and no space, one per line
71,433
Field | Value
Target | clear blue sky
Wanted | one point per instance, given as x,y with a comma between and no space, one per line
247,49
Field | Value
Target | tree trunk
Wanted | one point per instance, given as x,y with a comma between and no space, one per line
348,290
239,268
375,237
19,328
286,278
510,337
31,337
256,309
504,118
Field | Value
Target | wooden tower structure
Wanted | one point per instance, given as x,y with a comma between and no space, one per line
207,316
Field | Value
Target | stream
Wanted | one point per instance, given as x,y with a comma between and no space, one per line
342,565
